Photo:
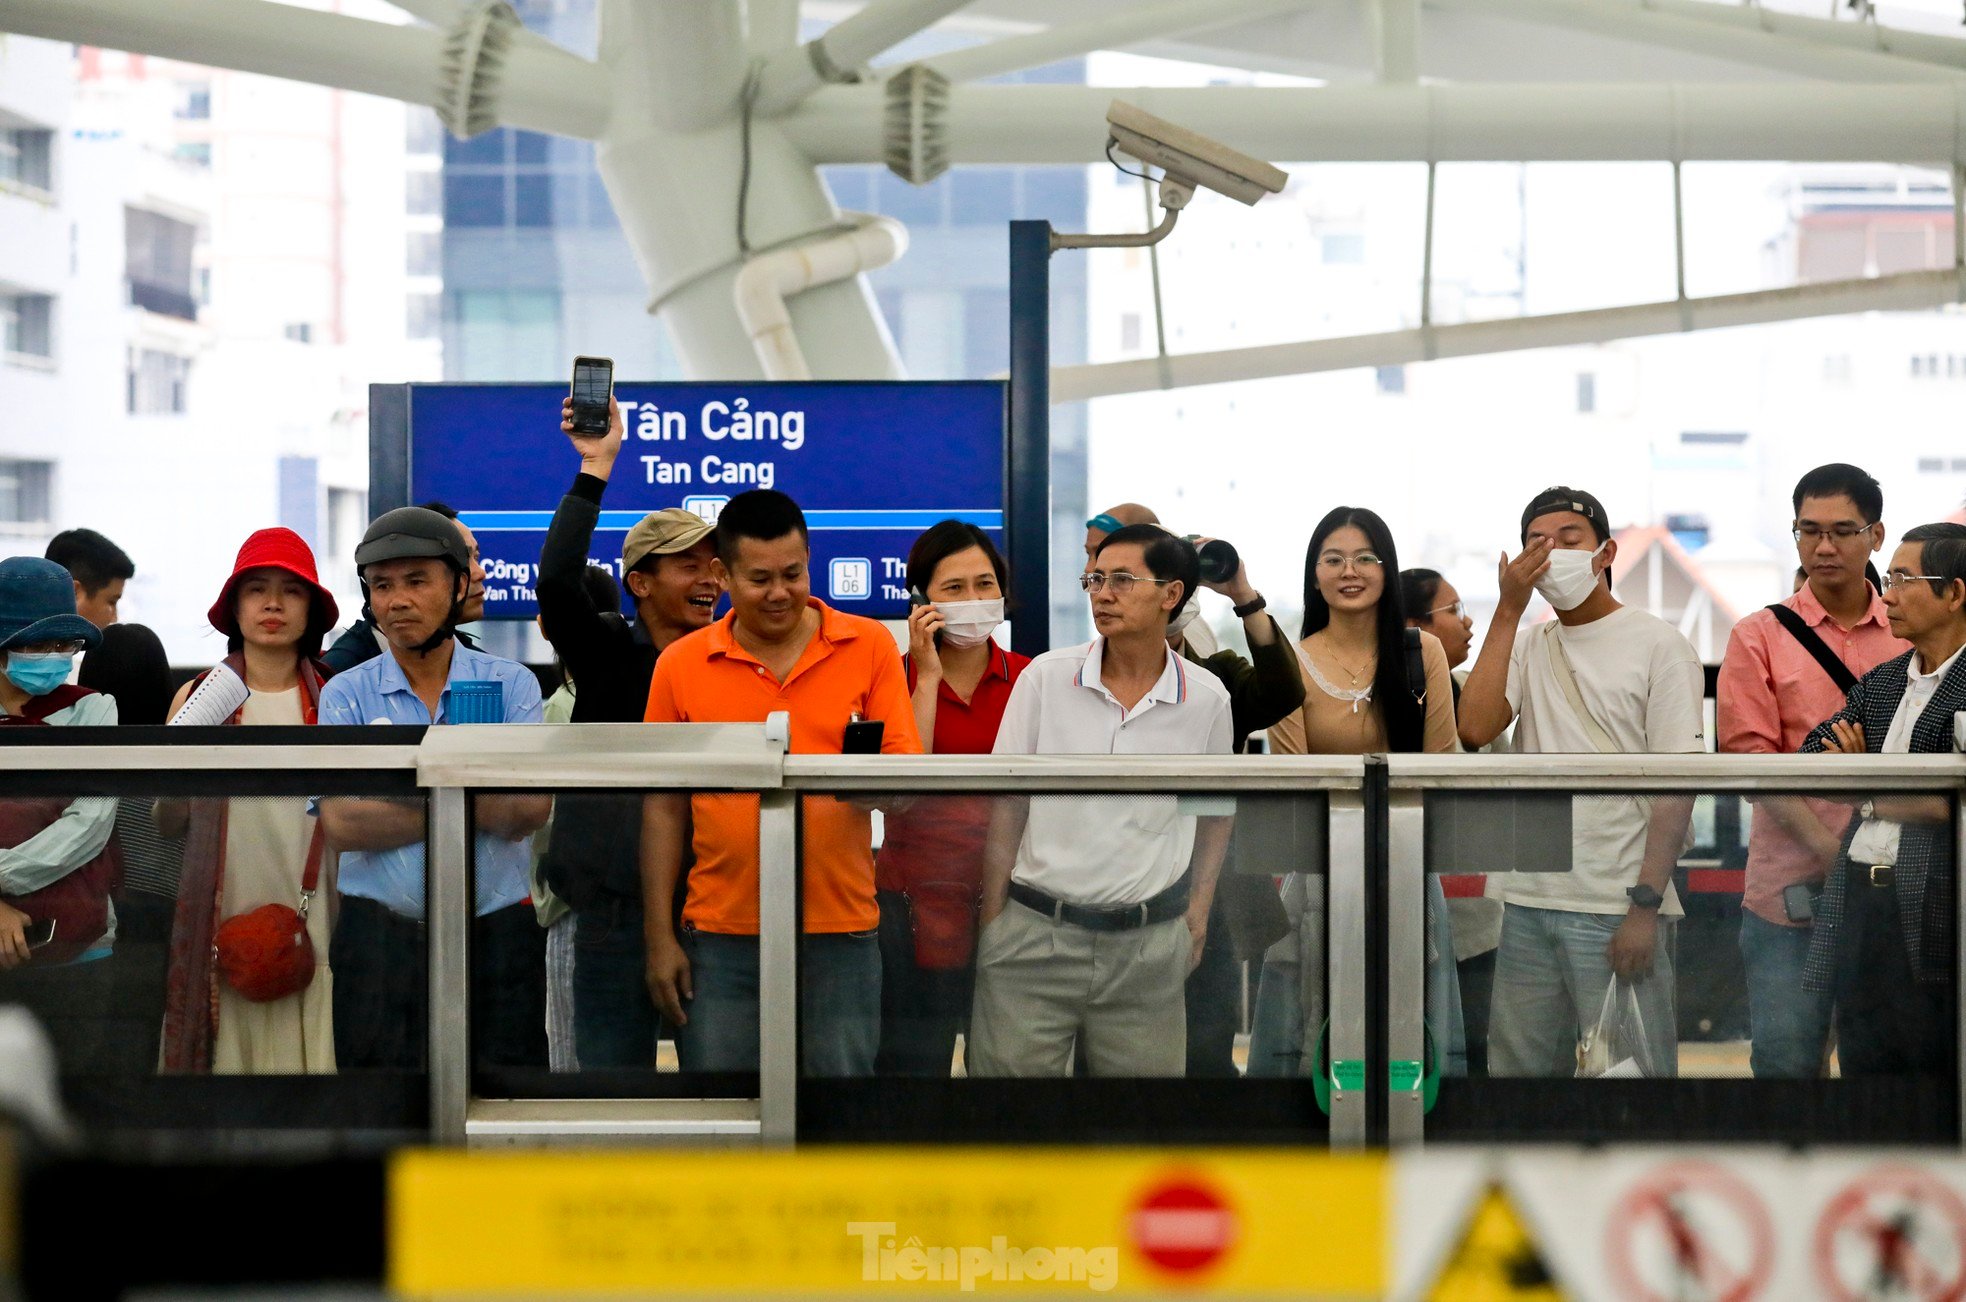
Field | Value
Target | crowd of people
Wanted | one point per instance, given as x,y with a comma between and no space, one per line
1008,936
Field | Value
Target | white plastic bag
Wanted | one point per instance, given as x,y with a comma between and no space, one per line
1615,1048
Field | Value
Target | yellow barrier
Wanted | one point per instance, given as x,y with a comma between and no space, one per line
860,1221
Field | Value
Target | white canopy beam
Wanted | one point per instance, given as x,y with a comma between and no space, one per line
1944,51
1127,25
543,88
1395,26
1910,292
1756,45
1805,122
793,74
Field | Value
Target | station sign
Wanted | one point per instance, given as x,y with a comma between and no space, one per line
872,464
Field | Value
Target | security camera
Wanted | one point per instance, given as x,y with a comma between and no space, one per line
1189,158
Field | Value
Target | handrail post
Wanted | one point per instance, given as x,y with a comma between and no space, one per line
447,927
1406,964
1346,971
778,968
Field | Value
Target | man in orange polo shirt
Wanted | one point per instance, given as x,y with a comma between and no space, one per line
779,649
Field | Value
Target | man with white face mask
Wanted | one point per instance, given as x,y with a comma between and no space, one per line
1599,679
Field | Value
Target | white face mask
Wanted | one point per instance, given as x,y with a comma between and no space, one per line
1570,580
969,623
1179,624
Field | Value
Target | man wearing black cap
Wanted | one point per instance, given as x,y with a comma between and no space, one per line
364,641
1600,678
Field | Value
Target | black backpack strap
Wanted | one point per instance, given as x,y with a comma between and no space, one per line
1838,672
1416,667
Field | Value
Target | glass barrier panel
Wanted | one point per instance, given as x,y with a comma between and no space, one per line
562,1003
1805,949
203,960
977,967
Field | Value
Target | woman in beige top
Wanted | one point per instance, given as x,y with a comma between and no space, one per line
1357,701
247,852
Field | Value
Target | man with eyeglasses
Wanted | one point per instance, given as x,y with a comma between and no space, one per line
1884,936
1788,668
1601,678
1095,908
58,858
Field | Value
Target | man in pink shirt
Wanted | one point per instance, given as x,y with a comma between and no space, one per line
1778,681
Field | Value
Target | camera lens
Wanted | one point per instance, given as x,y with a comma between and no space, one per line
1219,561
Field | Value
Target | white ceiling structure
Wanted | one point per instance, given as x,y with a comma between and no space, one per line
694,103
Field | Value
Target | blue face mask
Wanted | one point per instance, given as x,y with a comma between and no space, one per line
38,673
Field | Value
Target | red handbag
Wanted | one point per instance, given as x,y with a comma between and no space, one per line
266,953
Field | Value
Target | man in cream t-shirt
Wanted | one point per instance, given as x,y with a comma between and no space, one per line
1565,935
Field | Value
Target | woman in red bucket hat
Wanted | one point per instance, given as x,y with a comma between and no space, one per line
249,988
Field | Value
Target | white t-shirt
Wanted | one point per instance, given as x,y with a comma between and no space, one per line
1643,684
1108,850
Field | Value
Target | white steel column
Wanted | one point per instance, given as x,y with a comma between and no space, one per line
1126,25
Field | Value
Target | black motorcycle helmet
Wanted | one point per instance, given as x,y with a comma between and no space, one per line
409,533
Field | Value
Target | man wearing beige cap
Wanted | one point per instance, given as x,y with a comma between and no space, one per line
592,859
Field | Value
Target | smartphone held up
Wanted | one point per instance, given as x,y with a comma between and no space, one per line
593,387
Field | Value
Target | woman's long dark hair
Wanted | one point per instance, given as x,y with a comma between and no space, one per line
129,664
1390,694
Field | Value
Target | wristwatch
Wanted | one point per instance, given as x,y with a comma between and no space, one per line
1867,810
1644,897
1256,603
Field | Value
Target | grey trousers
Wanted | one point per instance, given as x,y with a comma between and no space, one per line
1044,986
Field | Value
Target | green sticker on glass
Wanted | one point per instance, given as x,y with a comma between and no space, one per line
1403,1075
1348,1073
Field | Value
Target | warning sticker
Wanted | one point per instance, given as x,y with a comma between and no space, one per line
1690,1232
1496,1258
838,1221
1894,1232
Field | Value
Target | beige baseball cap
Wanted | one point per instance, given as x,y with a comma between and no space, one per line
663,533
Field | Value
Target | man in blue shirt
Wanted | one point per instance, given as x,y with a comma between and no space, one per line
416,575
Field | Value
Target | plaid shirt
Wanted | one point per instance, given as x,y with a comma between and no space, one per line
1925,877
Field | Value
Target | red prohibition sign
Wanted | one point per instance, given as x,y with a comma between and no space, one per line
1893,1232
1183,1226
1690,1232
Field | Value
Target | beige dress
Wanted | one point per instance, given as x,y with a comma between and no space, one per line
266,840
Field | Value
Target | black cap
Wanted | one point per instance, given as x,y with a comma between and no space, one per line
1559,497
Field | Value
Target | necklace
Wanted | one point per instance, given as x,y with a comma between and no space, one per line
1332,655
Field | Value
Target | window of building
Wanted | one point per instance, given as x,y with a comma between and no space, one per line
28,320
194,101
982,194
1056,195
425,254
485,150
27,158
474,200
1586,392
1713,438
424,315
300,332
1392,379
532,199
157,382
158,260
26,493
423,133
423,193
197,153
1346,248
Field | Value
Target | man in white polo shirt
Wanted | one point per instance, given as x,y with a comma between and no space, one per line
1095,908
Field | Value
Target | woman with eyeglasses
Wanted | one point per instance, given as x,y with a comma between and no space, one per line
1359,699
1434,606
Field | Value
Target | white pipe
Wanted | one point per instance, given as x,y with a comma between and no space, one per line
1463,122
1910,292
1756,45
1946,51
767,280
1396,40
1126,26
544,88
793,74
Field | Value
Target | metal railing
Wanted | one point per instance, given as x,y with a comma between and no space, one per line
1377,818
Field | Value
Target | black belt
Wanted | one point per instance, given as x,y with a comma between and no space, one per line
1170,903
1877,874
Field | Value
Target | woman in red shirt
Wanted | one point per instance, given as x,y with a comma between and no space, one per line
930,867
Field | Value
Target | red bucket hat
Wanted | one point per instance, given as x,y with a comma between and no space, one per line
279,549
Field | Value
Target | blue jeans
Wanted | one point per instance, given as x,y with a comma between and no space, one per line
839,1003
1790,1025
1276,1026
1551,975
614,1020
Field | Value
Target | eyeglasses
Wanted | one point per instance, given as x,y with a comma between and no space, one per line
1842,533
1898,578
1332,562
1119,580
71,648
1460,609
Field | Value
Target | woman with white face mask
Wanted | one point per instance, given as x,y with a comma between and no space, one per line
930,866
